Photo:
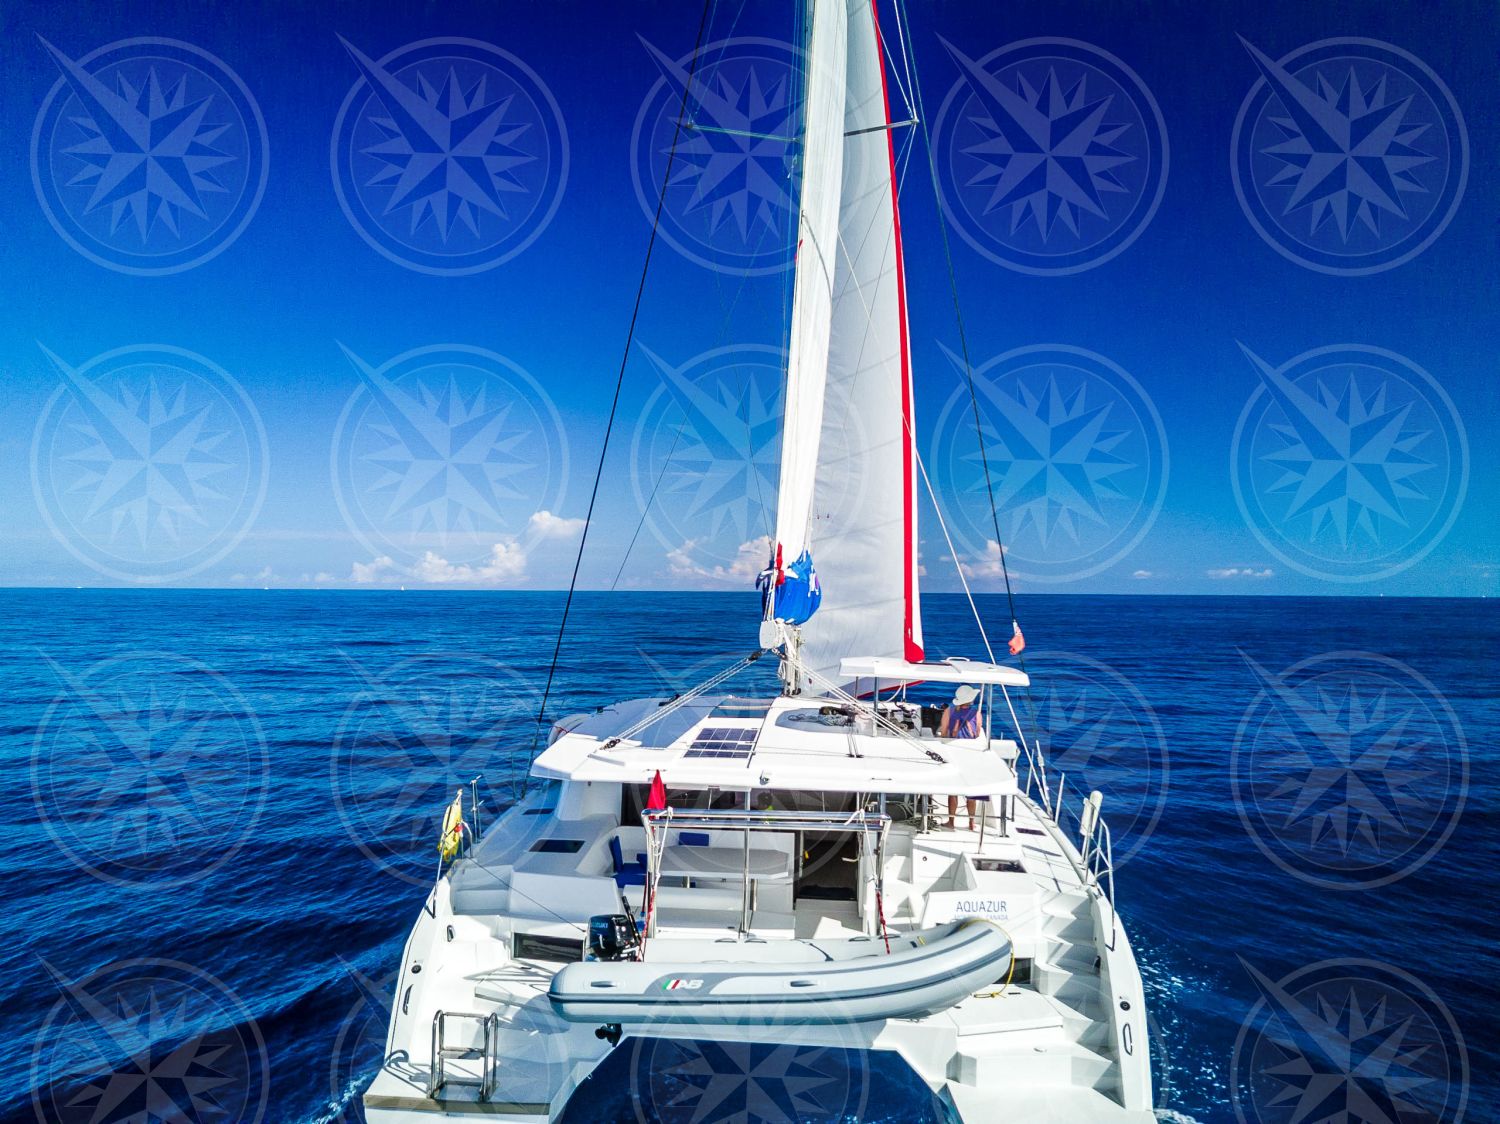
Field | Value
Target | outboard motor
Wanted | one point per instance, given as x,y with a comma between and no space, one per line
612,936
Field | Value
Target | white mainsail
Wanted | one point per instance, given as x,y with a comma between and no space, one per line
812,290
863,527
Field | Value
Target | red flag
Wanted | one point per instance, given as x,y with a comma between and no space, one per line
657,801
1017,641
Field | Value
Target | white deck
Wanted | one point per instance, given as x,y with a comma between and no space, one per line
794,747
1063,1041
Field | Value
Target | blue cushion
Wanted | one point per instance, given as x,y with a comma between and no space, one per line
693,838
615,853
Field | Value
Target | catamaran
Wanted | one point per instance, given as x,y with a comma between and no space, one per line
837,866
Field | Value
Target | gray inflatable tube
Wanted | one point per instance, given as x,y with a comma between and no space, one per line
835,982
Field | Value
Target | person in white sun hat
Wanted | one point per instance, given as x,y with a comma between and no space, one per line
961,720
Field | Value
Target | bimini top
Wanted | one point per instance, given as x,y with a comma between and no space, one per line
939,671
790,743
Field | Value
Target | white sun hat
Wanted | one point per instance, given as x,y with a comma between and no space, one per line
964,695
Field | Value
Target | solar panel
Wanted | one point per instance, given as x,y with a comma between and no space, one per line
723,741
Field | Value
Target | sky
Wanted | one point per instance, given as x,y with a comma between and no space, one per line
336,295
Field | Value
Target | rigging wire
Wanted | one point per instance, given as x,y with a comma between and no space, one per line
723,334
614,406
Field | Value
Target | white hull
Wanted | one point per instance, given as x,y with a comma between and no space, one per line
1064,1040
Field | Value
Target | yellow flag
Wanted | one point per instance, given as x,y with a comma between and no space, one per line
453,827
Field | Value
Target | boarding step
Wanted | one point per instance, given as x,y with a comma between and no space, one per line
1013,1010
1042,1106
1080,1021
1051,977
1067,903
1083,994
1071,956
1068,926
1054,1063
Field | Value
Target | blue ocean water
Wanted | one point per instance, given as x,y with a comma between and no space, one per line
220,816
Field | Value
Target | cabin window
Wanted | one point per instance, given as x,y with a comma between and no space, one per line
999,866
533,946
558,846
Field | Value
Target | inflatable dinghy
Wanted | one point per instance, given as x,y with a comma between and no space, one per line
789,981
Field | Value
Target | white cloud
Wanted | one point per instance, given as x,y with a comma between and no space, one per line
545,525
264,576
986,566
379,570
1143,574
749,561
1241,572
505,565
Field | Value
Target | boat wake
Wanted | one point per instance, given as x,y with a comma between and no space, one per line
333,1113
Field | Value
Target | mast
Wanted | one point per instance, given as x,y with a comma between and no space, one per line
860,504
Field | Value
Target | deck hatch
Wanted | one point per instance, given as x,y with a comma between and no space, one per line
742,708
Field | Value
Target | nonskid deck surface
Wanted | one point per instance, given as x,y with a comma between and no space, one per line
1042,1034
